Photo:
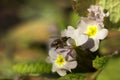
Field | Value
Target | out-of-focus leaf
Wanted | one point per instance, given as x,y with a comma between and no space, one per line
31,31
75,76
61,23
111,44
39,67
111,71
35,9
74,18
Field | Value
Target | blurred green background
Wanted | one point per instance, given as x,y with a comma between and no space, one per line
27,25
25,29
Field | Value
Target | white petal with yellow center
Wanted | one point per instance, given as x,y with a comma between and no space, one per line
60,61
92,31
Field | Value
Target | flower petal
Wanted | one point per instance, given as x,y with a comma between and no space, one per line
70,28
63,33
89,44
73,53
96,45
61,72
49,60
68,32
54,68
85,22
69,58
52,53
81,39
63,51
102,34
96,13
82,25
70,42
72,64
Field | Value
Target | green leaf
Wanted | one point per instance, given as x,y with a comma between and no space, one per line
113,6
100,62
74,18
61,23
74,76
111,71
40,67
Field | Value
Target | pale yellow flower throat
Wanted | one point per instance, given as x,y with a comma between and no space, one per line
91,30
60,61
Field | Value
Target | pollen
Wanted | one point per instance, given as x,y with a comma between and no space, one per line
60,61
92,31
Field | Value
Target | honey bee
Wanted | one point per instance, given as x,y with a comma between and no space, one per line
60,43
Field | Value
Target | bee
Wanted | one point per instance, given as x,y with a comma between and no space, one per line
59,43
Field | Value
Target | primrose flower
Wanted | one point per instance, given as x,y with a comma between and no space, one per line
78,38
93,30
63,60
97,13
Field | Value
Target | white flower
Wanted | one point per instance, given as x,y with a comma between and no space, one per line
61,60
75,35
93,30
97,13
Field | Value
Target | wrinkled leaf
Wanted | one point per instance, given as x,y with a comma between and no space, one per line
39,67
111,71
113,6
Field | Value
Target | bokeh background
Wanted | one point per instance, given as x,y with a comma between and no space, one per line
25,29
27,25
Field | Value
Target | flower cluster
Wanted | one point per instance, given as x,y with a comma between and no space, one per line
90,30
63,60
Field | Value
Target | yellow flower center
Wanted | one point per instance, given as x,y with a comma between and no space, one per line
60,61
91,30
